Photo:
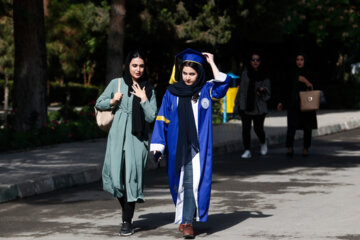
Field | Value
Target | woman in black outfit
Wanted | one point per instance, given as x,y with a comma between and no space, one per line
251,103
297,120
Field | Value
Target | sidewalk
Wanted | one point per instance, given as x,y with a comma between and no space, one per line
55,167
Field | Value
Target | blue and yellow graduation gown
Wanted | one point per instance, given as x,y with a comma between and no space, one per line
164,139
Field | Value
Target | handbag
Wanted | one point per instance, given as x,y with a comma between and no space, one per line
104,118
309,100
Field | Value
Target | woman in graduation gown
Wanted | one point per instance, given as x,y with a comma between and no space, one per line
183,131
127,144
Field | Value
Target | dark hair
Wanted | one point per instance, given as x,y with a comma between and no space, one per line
134,54
193,65
254,53
126,73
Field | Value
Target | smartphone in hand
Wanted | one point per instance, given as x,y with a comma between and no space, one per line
157,156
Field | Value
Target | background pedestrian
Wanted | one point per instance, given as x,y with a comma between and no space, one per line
251,103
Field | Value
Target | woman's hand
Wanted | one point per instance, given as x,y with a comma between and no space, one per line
157,156
210,59
260,91
116,98
140,93
305,81
279,107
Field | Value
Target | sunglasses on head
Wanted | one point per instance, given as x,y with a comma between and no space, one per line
255,60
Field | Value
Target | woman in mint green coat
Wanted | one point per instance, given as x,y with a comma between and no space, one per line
127,145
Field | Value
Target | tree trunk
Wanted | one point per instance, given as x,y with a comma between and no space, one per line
30,72
115,40
6,99
46,8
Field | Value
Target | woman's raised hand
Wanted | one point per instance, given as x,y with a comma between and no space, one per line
116,98
209,57
140,93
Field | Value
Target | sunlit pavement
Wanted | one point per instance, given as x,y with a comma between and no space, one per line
271,197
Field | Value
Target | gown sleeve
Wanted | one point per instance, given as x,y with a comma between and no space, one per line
158,139
220,87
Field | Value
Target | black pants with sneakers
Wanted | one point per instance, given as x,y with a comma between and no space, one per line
128,208
258,121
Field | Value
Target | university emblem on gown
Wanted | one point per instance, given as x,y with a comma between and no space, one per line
205,103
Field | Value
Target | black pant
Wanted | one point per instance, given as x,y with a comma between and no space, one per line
258,128
128,208
290,136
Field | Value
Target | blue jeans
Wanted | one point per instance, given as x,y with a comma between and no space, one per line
189,200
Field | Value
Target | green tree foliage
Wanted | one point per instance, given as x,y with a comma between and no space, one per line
5,7
76,35
327,20
6,47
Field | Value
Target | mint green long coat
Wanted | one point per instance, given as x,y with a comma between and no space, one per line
124,149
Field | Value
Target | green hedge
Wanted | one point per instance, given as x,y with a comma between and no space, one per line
80,125
80,94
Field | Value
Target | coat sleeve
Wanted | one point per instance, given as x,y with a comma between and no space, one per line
149,108
220,87
158,138
103,102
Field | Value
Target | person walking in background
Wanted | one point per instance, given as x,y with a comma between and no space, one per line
126,150
250,103
297,120
183,131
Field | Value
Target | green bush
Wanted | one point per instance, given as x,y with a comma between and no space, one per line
217,116
79,94
81,126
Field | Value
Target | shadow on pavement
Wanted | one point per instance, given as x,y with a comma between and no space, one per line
222,221
216,222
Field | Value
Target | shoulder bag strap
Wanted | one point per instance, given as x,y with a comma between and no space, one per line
119,84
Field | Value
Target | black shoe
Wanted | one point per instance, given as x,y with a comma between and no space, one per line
126,229
290,154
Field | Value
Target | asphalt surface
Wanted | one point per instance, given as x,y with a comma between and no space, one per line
271,197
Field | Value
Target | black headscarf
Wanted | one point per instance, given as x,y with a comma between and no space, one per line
188,142
254,76
138,116
296,85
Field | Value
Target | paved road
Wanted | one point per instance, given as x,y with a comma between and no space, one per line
268,197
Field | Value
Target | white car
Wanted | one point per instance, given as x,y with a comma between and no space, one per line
355,68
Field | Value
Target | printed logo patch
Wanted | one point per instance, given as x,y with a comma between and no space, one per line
205,103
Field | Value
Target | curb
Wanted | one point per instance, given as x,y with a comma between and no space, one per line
281,138
48,184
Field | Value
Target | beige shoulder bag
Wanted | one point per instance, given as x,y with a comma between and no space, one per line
309,100
104,118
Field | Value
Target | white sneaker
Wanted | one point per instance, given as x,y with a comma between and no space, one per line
264,149
246,154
